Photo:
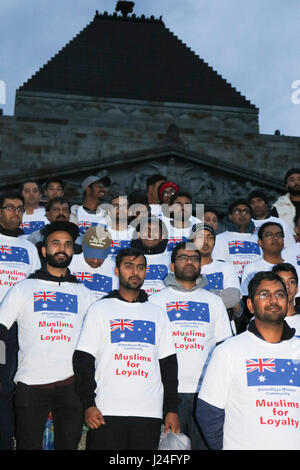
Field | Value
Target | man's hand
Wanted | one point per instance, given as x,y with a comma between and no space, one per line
93,417
172,423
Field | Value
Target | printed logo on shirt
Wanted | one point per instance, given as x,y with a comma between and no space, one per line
83,225
173,241
94,282
117,245
156,271
272,372
132,331
215,281
33,226
52,301
298,259
14,253
188,311
243,247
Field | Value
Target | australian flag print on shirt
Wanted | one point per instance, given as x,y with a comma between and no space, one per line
243,247
298,260
132,331
173,241
51,301
95,282
215,281
83,225
272,372
117,245
33,226
14,253
188,311
156,272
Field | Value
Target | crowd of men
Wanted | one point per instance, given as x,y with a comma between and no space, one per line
137,314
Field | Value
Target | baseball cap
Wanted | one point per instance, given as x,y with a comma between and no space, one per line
61,226
101,176
197,227
96,242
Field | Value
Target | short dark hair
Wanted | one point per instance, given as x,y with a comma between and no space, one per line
211,209
238,202
21,185
268,224
263,276
286,267
154,179
129,252
54,180
290,172
56,200
180,194
182,246
10,195
152,219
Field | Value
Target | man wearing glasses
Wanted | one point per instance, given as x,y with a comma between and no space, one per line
18,259
238,244
199,321
249,398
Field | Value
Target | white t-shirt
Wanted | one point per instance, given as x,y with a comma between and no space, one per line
250,270
100,280
120,239
199,320
236,248
158,267
35,221
294,322
177,235
18,259
292,254
49,316
85,220
288,234
127,341
220,275
258,385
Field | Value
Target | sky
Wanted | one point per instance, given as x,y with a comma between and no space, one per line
254,45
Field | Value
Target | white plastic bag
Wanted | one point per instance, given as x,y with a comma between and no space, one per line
172,441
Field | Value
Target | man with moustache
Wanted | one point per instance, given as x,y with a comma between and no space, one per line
49,307
199,321
288,206
249,398
125,365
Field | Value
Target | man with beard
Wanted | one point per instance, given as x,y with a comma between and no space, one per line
49,307
288,206
126,354
199,321
249,398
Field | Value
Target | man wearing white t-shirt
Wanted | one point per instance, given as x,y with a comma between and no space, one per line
90,213
290,277
18,259
249,398
34,216
238,244
151,237
221,276
199,321
94,267
49,307
125,365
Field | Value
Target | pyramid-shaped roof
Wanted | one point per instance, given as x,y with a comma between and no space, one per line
129,57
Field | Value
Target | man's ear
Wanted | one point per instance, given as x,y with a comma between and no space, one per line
172,267
44,251
116,271
250,306
259,242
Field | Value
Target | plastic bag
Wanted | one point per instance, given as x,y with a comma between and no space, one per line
172,441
